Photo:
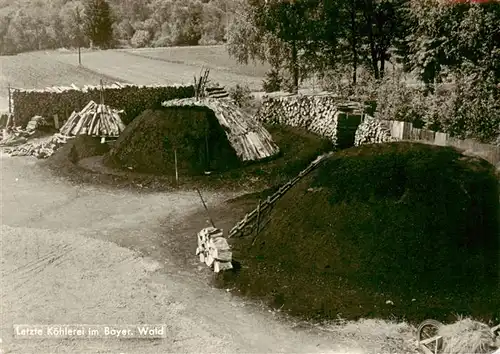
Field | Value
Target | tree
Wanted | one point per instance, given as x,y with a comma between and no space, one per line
456,38
274,31
289,21
98,23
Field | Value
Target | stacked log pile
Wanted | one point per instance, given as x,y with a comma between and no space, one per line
94,120
13,136
133,99
320,114
216,92
248,137
372,131
41,149
214,250
36,122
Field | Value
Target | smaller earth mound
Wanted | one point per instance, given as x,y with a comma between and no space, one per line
150,141
386,230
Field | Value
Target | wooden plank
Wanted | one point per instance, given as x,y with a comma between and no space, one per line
430,340
221,266
222,255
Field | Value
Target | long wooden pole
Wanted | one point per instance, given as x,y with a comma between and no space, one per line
176,170
206,209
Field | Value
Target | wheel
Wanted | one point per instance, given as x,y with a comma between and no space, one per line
426,330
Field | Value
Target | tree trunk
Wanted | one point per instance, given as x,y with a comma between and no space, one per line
354,43
295,67
368,12
382,64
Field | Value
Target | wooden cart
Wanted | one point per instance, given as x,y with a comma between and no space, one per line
431,343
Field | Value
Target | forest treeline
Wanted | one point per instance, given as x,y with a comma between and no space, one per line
28,25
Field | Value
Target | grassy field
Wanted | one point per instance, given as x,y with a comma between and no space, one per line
214,57
167,65
148,66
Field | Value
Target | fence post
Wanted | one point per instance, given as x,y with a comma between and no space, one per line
258,222
10,102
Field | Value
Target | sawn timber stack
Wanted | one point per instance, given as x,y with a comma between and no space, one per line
213,249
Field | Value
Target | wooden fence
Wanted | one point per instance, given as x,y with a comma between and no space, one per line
255,217
406,132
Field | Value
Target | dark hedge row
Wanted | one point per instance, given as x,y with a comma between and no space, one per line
132,99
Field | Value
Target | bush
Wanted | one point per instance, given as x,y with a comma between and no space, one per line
273,81
140,39
468,107
242,95
475,111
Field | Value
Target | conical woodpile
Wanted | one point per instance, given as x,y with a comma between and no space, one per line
95,120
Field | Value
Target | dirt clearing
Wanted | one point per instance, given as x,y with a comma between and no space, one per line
83,254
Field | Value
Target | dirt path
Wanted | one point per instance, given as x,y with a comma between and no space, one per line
75,254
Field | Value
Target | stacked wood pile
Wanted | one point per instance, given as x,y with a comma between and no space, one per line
214,250
94,120
41,149
324,115
255,215
87,88
14,136
371,131
216,92
133,99
250,140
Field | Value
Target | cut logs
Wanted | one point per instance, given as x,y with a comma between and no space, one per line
214,250
372,131
35,123
94,120
41,149
324,115
248,137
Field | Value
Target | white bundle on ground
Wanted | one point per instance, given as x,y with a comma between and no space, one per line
41,149
213,249
467,336
36,122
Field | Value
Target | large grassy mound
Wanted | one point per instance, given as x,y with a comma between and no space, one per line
149,141
410,223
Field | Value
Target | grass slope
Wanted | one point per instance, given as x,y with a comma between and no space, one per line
214,57
298,148
144,71
410,223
